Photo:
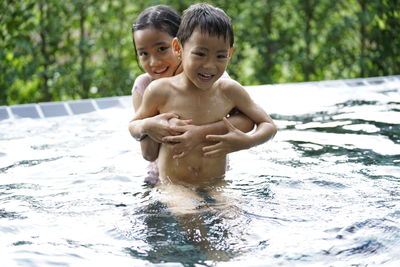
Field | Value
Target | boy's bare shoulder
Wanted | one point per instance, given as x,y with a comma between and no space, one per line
229,86
160,82
158,86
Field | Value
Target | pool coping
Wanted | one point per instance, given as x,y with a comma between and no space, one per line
59,109
76,107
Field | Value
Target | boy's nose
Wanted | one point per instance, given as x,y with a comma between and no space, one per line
209,64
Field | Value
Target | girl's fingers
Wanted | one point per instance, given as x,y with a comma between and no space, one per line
169,116
184,122
172,132
172,139
228,125
179,129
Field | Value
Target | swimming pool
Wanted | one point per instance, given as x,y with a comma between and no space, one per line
324,192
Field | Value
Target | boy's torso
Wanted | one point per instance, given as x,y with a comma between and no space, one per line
203,107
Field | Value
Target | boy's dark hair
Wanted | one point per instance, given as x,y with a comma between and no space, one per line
211,20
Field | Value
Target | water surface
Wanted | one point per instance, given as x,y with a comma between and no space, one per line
324,192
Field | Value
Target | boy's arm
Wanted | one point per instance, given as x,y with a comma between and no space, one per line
265,130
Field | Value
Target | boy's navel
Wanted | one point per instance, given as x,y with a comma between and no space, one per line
194,170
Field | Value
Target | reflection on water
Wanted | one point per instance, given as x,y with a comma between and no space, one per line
325,192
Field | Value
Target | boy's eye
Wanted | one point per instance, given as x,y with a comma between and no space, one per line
222,56
200,54
162,48
142,54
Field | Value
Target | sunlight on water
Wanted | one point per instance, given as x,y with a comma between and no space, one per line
324,192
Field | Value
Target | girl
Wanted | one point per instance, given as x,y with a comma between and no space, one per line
153,33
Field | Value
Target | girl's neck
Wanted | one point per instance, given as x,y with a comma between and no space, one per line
179,69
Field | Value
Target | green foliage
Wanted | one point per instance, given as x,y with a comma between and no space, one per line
54,50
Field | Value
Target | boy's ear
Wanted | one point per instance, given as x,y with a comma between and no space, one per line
230,53
176,47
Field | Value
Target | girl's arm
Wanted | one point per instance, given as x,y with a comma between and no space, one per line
148,146
192,135
151,129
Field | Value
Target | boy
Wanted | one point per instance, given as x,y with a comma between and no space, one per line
204,43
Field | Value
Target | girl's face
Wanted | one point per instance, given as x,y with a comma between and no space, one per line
154,50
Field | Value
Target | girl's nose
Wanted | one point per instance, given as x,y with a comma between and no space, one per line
154,61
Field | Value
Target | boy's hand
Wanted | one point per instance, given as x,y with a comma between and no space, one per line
190,136
158,126
232,141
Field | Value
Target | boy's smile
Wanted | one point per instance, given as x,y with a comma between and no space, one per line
205,57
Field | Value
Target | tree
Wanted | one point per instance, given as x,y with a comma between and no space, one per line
54,50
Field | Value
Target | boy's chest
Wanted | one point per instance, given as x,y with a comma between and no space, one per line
200,108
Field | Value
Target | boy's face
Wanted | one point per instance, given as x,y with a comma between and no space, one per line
154,50
204,58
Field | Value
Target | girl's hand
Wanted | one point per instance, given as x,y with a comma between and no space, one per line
158,126
178,122
190,136
232,141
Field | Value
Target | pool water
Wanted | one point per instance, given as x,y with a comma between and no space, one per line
324,192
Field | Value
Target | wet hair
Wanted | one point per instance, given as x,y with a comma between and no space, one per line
160,17
211,20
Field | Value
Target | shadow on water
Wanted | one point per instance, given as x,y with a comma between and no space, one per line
354,107
10,215
165,241
337,121
364,156
366,244
193,239
27,163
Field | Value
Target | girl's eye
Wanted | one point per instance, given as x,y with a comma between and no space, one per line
222,56
200,54
142,54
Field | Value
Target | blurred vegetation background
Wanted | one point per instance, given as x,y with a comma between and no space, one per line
53,50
